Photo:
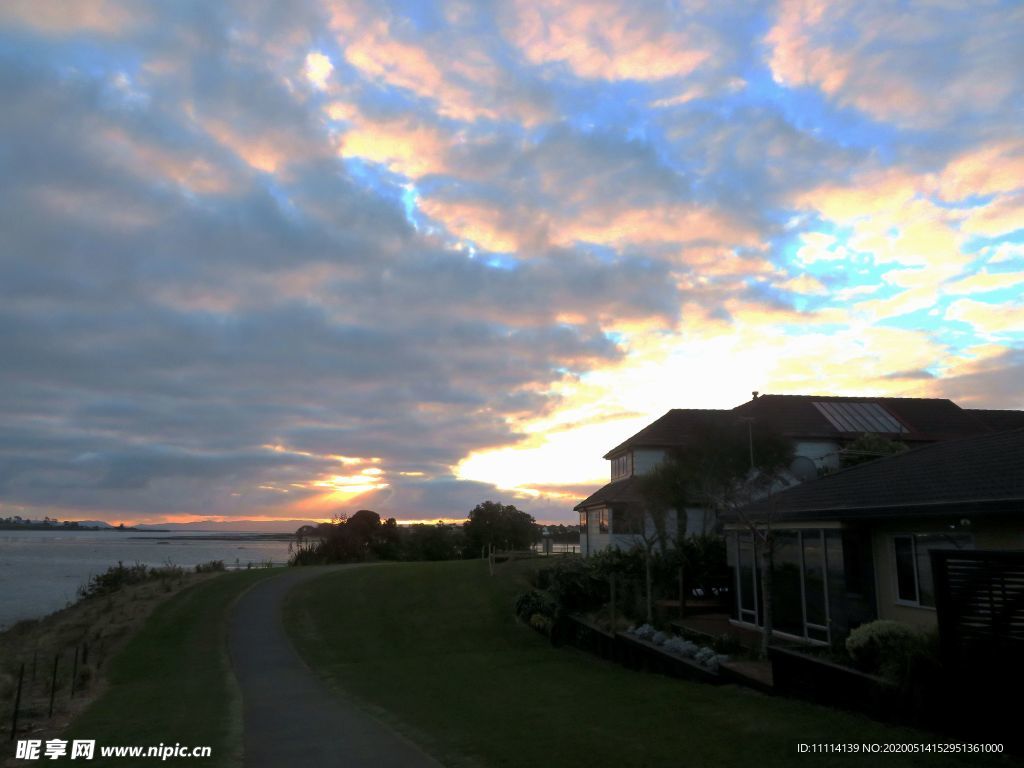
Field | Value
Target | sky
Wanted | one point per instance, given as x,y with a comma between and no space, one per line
288,260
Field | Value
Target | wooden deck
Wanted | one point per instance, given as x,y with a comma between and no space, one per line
712,626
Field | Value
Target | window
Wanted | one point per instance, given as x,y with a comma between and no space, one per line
626,520
583,522
602,521
622,466
914,582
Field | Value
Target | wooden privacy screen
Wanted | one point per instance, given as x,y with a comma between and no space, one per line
979,598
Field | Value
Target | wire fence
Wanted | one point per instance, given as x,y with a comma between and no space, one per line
46,684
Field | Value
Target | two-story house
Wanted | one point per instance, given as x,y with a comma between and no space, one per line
818,426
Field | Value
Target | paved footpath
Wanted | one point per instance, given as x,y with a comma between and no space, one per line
291,718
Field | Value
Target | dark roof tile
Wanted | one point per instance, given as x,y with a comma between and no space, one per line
983,470
625,491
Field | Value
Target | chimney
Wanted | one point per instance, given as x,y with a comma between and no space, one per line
754,393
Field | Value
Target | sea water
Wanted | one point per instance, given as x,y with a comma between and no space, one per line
41,571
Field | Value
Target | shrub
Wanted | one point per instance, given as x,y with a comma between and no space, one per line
211,567
887,648
542,623
118,576
533,603
114,578
574,585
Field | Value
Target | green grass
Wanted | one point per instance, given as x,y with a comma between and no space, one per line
434,649
172,682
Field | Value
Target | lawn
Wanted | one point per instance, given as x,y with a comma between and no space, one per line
172,682
434,649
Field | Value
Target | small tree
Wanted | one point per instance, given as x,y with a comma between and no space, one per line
868,447
667,490
501,526
726,466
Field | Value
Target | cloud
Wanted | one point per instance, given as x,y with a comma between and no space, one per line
919,66
608,40
993,381
111,18
318,69
263,260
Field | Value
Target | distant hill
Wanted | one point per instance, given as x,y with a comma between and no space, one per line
246,526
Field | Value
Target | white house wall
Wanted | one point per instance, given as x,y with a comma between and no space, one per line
824,453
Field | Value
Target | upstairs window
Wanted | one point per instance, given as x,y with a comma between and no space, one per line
622,466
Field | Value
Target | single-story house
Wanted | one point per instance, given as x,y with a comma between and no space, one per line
819,427
853,546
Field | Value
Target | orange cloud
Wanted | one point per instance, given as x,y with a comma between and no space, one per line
373,45
498,228
608,40
403,144
988,319
985,170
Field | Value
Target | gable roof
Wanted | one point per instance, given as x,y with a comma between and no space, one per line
969,475
672,429
810,417
625,491
912,419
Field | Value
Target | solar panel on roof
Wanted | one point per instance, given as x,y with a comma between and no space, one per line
859,417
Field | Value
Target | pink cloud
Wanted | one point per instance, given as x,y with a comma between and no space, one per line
608,40
467,86
918,65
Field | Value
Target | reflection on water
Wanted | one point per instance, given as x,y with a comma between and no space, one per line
41,571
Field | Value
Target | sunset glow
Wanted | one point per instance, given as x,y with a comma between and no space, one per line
263,265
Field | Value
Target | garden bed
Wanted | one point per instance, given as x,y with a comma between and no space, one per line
641,654
801,674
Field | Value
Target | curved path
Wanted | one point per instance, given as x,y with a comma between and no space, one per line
290,716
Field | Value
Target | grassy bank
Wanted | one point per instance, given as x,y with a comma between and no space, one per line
95,629
172,681
434,649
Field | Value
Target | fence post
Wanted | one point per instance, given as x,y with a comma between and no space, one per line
53,682
17,702
74,673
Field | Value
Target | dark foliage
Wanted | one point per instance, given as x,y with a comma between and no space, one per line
501,526
869,447
121,575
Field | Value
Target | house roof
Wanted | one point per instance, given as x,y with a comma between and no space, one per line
998,420
909,419
974,474
625,491
672,429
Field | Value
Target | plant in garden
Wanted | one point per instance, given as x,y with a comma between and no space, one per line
887,648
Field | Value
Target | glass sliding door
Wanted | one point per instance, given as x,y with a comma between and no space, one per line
800,582
787,587
746,579
815,586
